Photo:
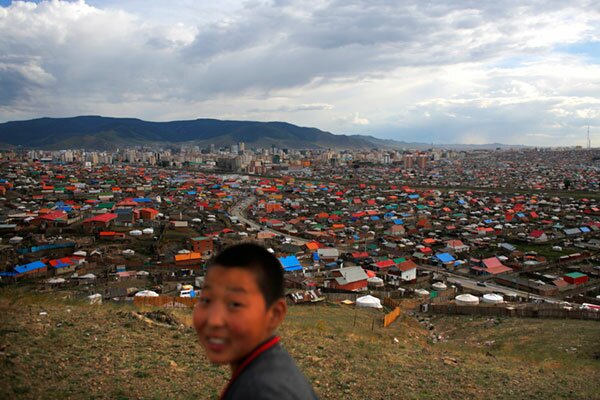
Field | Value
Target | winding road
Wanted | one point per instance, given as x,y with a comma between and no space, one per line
238,211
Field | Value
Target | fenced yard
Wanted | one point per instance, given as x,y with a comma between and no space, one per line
520,311
164,301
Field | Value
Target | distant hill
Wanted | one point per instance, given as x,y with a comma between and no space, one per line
106,133
95,132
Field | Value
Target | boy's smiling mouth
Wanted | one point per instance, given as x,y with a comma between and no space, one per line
215,343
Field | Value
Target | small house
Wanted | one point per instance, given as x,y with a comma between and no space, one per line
202,244
349,278
490,266
328,254
576,278
405,271
148,213
188,259
290,263
101,220
456,246
31,269
538,236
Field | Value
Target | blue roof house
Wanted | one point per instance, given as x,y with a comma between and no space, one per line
290,263
32,267
445,258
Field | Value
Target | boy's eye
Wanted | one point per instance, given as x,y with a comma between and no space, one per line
234,304
203,300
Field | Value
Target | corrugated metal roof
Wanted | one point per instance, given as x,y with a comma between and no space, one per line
351,274
444,257
21,269
290,263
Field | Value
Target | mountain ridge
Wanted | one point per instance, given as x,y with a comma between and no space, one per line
96,132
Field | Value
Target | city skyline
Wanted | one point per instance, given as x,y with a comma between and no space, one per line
449,73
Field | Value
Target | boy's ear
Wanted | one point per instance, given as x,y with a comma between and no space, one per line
277,312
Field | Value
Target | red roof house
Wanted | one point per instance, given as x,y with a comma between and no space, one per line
101,220
492,266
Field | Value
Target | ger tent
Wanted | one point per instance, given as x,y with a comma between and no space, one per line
375,281
493,298
466,300
368,301
146,293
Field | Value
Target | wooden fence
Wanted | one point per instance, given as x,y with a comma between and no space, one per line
388,301
406,304
336,297
164,301
520,312
443,296
394,294
391,317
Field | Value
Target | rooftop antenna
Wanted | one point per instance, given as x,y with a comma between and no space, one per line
589,142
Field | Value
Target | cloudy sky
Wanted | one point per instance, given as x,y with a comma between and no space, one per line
453,71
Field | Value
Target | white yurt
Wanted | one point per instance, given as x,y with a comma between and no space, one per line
146,293
143,273
439,286
493,298
368,301
375,281
135,232
128,252
422,292
148,231
466,300
55,281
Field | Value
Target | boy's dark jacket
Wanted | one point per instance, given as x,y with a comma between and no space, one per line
272,375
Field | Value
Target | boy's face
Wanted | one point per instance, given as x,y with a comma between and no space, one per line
231,317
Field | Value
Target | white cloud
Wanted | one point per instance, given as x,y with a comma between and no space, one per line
353,119
295,108
447,71
357,120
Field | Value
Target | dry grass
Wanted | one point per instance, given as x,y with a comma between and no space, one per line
103,352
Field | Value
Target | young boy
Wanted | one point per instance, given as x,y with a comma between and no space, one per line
240,306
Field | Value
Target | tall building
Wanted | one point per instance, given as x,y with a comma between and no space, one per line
68,156
408,160
422,161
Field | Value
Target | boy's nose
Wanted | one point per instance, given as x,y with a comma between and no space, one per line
215,317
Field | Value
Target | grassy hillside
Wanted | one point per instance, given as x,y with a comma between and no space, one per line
110,352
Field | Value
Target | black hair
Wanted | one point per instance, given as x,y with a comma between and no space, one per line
254,257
